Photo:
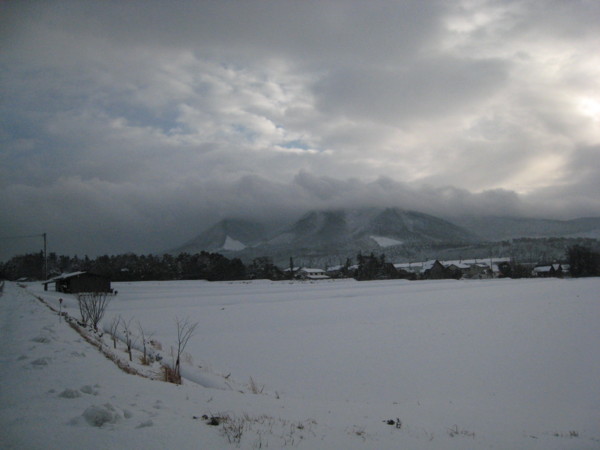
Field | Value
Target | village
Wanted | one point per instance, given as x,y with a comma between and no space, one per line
73,274
477,269
473,269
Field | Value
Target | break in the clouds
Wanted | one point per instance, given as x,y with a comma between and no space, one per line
134,125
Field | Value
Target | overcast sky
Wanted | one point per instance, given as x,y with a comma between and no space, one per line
133,125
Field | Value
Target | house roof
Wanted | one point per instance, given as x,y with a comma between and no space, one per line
66,276
307,269
429,264
63,276
460,265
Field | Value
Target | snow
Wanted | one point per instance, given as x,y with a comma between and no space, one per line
462,364
233,245
383,241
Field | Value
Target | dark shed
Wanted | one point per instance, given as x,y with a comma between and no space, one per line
72,283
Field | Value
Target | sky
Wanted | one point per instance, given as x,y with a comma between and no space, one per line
134,125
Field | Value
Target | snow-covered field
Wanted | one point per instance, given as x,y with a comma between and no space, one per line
461,364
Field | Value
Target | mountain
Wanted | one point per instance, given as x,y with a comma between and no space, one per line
331,236
369,226
496,228
228,235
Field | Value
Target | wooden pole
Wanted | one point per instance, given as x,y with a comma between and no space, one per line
45,258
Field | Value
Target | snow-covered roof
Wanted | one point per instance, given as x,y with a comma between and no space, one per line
460,265
427,265
317,277
409,267
309,270
64,276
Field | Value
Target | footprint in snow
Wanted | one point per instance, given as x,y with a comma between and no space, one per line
40,362
147,423
87,389
101,415
70,393
41,339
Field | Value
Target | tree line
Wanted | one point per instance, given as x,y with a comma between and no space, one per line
583,262
128,267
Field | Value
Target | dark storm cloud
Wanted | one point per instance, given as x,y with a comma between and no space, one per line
133,125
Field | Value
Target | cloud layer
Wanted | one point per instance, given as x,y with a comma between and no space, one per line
131,126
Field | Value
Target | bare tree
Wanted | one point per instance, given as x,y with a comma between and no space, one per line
129,338
113,328
185,330
92,306
145,340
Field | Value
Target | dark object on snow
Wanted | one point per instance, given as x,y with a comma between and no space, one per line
73,283
214,421
396,422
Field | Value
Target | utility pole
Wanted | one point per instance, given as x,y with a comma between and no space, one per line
45,258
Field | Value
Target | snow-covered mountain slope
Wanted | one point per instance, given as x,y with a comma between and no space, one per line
356,225
330,237
226,235
325,232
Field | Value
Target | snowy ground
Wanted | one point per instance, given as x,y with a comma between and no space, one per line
477,364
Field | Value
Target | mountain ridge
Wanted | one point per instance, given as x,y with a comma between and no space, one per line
322,232
329,237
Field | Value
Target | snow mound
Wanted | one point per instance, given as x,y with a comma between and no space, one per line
97,416
233,245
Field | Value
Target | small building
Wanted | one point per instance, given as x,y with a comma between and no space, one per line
312,274
551,270
544,271
413,269
73,283
434,270
457,270
469,270
338,271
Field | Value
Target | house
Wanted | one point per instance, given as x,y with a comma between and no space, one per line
550,270
478,271
544,271
413,269
434,270
72,283
306,273
336,271
469,270
457,270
